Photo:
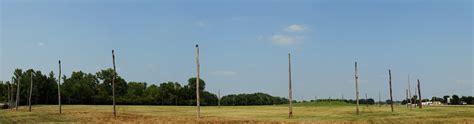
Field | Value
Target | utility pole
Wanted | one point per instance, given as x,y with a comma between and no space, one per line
197,83
59,87
18,92
290,99
357,89
390,83
113,82
419,94
31,90
409,92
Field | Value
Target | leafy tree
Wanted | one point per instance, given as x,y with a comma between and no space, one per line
455,100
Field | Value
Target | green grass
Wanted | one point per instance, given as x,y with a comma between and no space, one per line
325,112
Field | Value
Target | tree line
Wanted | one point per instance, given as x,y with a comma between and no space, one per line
89,88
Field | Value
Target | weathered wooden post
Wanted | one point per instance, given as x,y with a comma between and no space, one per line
18,92
113,82
419,95
197,83
31,90
407,98
357,89
366,100
380,100
9,97
59,87
290,94
390,83
219,98
409,92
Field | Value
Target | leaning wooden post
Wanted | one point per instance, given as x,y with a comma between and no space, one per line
31,90
390,83
357,89
419,94
290,94
17,92
409,92
197,83
113,82
59,87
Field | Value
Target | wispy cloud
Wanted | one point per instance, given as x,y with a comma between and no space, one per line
295,28
224,73
200,24
40,44
285,39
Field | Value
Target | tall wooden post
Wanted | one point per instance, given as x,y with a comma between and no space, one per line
390,83
407,99
290,94
409,92
197,83
419,95
219,98
357,89
18,92
31,90
59,87
380,100
366,100
113,82
9,96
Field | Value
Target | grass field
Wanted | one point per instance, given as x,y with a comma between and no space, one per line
334,112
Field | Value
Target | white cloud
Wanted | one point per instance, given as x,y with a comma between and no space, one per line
285,39
200,24
40,44
224,73
295,28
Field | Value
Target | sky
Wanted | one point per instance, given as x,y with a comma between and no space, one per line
244,44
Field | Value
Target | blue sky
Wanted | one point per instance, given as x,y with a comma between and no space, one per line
244,44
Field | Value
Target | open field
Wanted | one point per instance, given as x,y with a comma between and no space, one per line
337,112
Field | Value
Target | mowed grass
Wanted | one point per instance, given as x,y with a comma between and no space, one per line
326,112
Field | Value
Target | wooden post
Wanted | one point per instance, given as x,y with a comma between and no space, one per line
357,89
290,94
409,92
219,98
342,98
366,100
197,83
59,87
419,95
113,82
31,90
18,92
9,97
390,83
407,98
380,100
